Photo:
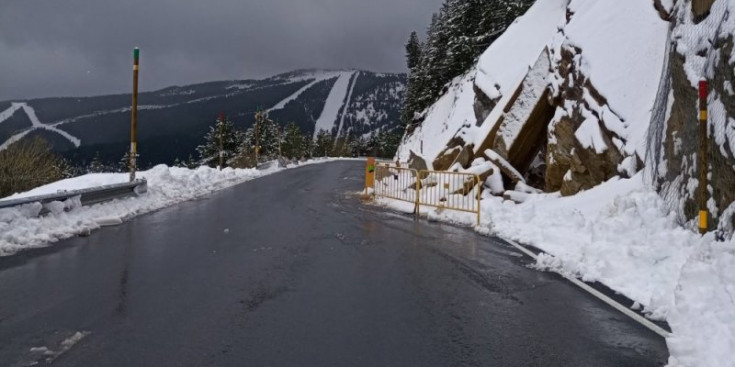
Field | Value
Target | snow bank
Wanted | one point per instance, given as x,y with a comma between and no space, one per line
623,65
704,317
21,228
505,63
452,110
622,234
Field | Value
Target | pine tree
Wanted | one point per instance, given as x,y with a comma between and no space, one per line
323,144
307,147
264,134
222,139
413,51
269,136
97,165
68,170
191,163
178,163
372,146
458,34
124,164
293,142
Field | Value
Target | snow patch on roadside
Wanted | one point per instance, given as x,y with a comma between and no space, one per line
21,228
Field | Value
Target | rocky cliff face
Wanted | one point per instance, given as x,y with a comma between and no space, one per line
579,91
701,49
563,97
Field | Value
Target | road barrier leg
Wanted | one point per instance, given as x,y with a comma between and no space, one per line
417,207
478,192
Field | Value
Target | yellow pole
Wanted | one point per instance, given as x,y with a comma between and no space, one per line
703,211
369,174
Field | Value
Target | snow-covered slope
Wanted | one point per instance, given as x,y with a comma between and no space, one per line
335,102
35,125
497,74
571,82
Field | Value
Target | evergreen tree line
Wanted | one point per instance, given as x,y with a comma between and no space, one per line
267,140
456,37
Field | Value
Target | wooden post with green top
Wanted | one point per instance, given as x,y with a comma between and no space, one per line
134,118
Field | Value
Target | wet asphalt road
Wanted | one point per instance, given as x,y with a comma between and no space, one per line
305,276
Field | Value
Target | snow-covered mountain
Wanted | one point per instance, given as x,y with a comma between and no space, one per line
173,120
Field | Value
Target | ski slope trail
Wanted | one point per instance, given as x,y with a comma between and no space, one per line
36,125
334,103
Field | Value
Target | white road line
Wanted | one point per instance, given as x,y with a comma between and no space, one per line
638,318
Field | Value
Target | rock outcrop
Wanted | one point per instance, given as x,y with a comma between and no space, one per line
702,48
566,97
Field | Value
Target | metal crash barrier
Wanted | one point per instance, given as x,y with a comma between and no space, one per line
445,190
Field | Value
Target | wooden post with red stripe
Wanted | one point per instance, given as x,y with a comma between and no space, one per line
134,118
702,164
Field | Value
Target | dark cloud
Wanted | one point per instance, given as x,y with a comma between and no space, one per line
82,47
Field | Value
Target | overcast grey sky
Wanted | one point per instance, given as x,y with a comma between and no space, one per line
84,47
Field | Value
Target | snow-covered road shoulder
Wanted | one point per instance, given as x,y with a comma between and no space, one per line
621,234
21,228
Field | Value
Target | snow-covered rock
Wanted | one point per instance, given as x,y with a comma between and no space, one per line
581,64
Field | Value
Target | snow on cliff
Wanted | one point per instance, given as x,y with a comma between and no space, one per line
624,67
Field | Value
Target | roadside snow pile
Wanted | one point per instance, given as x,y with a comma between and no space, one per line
623,235
21,227
704,317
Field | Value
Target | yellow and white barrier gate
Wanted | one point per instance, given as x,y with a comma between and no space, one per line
445,190
450,190
396,183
